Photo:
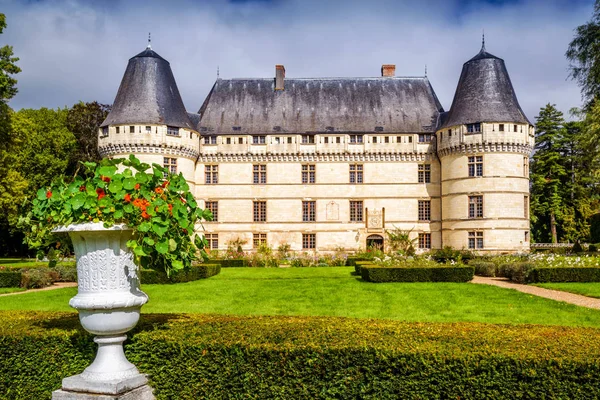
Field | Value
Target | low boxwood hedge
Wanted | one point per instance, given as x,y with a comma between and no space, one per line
459,273
196,272
484,268
229,262
573,274
358,264
351,260
10,278
227,357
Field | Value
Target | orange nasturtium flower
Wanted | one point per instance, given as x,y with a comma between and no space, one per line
145,215
100,192
48,194
127,197
158,190
137,186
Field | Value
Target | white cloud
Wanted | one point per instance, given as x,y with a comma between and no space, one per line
77,50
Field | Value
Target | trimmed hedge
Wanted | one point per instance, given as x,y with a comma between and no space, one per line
358,264
10,278
372,273
540,275
483,268
229,262
351,260
196,272
227,357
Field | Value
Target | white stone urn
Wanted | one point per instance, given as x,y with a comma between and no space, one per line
109,300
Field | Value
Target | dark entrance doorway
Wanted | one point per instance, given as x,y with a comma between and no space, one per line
375,242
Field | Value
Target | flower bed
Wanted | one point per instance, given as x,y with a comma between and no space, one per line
209,356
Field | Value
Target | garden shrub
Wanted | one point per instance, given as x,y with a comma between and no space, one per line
210,357
483,268
10,278
351,260
573,274
230,262
359,264
577,248
455,273
593,248
38,277
448,254
516,271
196,272
67,272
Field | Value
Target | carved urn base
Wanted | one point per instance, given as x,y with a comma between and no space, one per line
109,300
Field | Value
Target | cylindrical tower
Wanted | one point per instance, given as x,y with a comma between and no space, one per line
484,145
148,118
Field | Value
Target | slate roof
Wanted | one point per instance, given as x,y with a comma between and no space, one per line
148,94
484,94
386,104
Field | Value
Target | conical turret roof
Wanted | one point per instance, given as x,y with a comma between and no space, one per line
484,93
148,94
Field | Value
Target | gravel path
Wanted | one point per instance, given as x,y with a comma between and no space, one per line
557,295
57,285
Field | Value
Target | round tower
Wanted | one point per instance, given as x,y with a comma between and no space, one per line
148,118
484,145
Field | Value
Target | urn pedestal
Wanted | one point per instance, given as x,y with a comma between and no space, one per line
109,300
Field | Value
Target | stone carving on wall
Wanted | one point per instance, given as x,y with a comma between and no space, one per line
375,219
333,211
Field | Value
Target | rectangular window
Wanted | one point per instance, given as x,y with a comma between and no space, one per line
387,139
259,139
104,131
338,139
515,128
356,210
423,138
475,206
228,140
424,173
308,173
210,140
117,129
213,207
309,211
213,240
476,240
424,210
309,241
289,140
526,206
356,138
374,139
172,131
148,128
356,173
211,173
258,239
326,139
501,127
473,128
449,132
259,174
475,165
410,139
132,129
526,167
260,211
170,164
526,236
424,240
308,139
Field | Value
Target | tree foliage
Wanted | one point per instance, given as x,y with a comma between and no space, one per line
8,84
84,119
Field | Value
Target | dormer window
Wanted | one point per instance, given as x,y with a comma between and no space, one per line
356,138
210,140
259,139
472,128
424,137
172,131
308,139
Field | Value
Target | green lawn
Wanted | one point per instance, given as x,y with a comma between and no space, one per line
20,263
591,289
334,292
4,290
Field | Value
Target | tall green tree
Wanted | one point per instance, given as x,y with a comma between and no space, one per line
547,174
8,67
84,119
583,54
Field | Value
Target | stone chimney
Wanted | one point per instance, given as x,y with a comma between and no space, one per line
279,77
388,70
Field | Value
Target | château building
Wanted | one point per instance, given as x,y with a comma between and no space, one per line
328,163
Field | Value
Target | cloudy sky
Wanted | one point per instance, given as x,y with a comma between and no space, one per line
72,50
